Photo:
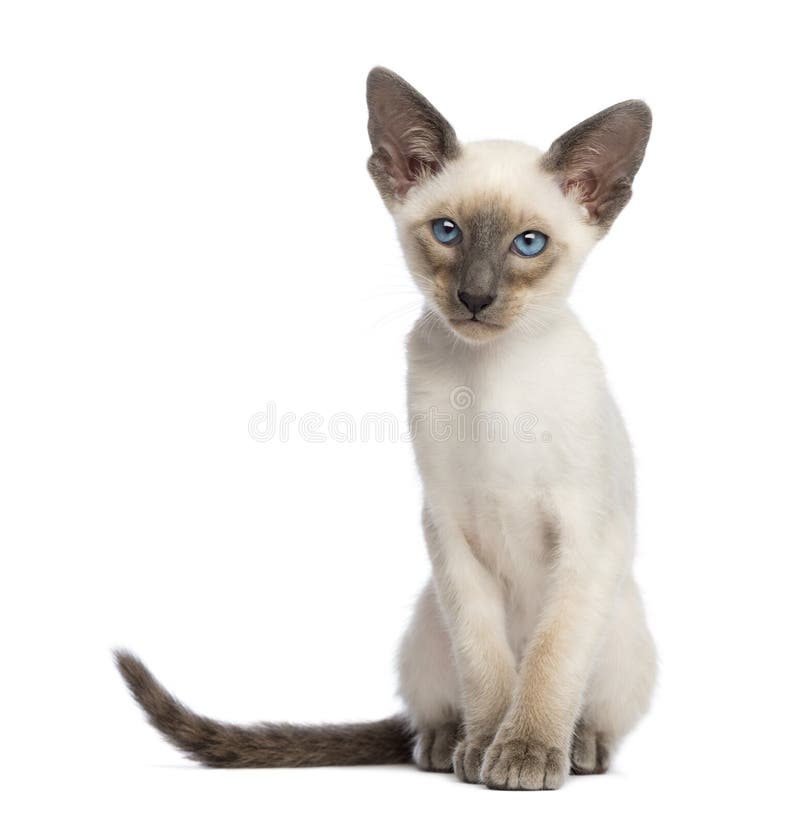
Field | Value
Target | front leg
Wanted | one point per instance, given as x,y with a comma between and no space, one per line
531,749
472,604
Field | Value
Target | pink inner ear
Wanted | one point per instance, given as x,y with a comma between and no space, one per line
405,171
397,167
596,186
585,188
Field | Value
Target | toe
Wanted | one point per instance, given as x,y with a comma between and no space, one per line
433,749
583,752
555,769
444,742
422,749
603,754
590,752
467,759
531,775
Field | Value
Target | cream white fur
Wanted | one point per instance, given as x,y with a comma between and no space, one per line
518,638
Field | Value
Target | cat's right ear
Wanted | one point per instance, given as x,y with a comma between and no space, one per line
411,141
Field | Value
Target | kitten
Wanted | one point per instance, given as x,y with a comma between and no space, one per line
528,653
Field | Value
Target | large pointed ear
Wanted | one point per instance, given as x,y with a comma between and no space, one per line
410,139
596,161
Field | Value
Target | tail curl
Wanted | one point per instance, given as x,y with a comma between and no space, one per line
263,745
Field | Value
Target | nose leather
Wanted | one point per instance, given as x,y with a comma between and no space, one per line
475,303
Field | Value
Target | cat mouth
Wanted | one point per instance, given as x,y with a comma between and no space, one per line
475,329
474,322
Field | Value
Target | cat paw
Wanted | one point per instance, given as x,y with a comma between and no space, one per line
591,751
433,748
468,758
520,764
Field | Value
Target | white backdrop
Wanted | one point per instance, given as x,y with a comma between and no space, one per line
189,234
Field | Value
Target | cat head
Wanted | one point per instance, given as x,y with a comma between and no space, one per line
495,231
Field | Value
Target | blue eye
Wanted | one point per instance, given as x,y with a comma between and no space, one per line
529,243
446,231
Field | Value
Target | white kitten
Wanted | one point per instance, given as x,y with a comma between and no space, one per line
528,652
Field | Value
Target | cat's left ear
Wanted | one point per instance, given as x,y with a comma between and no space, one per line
596,161
410,139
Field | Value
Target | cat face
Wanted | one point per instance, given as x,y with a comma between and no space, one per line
490,240
494,232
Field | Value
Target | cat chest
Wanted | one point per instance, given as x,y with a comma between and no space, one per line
476,437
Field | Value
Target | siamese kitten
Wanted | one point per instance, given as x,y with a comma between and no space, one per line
528,654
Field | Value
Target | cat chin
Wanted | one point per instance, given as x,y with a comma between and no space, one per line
475,332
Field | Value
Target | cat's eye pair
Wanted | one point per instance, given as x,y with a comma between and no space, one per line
527,244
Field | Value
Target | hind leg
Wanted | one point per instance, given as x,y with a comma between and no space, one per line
429,685
620,688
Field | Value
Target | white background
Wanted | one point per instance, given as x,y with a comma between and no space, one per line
188,232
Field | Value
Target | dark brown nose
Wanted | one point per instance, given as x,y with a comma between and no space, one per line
475,303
